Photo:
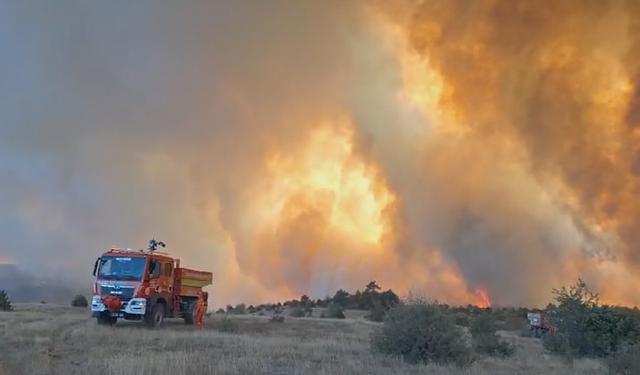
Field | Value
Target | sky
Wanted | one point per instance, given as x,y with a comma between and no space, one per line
299,147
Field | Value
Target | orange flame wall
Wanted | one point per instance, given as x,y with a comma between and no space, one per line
479,151
483,154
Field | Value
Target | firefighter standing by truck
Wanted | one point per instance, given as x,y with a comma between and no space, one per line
202,308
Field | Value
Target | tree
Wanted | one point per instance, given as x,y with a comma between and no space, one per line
341,298
389,299
333,311
305,301
296,312
80,301
359,301
586,329
5,303
372,287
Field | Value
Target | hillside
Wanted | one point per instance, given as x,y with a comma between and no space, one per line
24,287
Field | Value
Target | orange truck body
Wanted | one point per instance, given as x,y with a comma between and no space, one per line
149,286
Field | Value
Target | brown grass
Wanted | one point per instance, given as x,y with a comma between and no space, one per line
44,339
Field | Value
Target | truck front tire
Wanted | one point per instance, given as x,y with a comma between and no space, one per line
105,320
155,318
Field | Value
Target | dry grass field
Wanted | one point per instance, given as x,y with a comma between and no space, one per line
49,340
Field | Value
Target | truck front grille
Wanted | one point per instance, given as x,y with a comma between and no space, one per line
124,292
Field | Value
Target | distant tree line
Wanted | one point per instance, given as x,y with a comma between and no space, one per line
370,298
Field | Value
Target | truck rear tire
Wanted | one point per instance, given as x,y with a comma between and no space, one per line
155,317
189,315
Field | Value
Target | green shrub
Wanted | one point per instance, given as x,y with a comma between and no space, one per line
462,319
493,346
227,325
625,361
483,329
240,309
483,324
5,302
308,311
277,319
80,301
333,311
421,331
296,312
377,312
514,323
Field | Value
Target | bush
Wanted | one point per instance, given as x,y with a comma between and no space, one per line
240,309
377,313
586,329
5,303
514,323
420,331
483,325
227,325
308,311
277,319
296,312
80,301
483,329
493,346
625,361
333,311
462,319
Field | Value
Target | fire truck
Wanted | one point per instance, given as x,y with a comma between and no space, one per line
540,324
145,285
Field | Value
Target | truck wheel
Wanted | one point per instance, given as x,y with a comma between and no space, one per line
156,317
106,320
190,313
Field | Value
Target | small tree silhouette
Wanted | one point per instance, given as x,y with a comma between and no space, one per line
5,303
80,301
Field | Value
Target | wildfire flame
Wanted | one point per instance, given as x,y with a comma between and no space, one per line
484,299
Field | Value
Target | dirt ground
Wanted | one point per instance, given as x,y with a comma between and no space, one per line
50,340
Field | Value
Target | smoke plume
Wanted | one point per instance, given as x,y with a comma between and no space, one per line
299,147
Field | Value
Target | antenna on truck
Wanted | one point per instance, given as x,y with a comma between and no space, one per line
153,245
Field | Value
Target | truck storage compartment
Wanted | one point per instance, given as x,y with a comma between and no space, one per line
194,278
189,291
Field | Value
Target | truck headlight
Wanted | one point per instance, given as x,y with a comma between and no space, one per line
140,302
96,300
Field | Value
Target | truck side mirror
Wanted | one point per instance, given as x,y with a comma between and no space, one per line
95,266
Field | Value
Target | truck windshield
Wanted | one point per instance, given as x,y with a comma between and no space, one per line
121,268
